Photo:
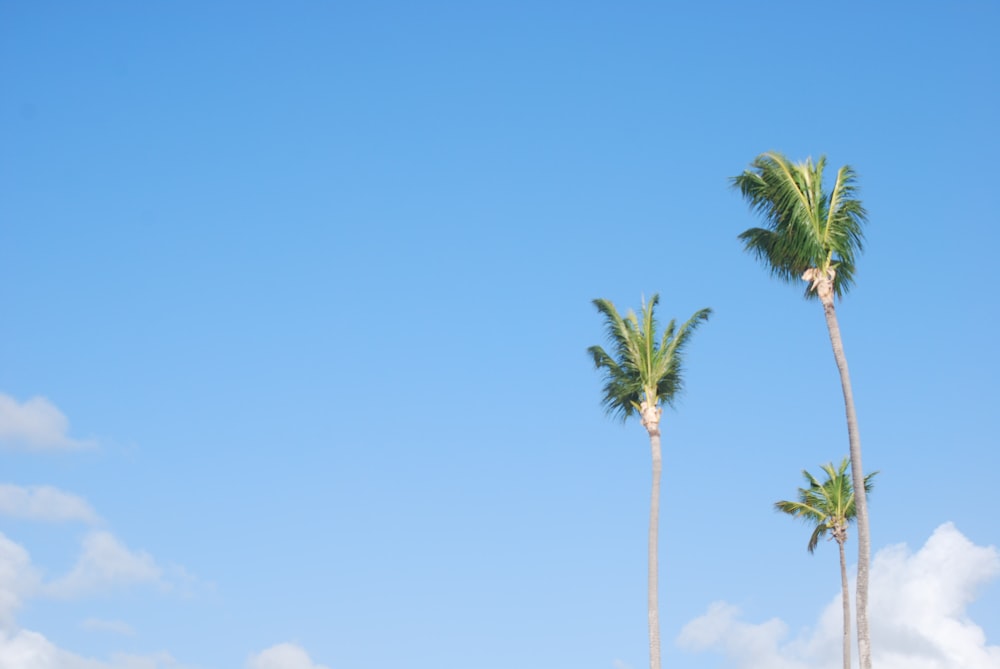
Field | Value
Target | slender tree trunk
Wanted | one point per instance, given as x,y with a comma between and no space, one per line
846,598
654,523
858,477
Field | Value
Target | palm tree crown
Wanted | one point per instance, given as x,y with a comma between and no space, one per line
809,234
829,505
642,370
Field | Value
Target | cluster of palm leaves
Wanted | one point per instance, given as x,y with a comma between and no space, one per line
809,234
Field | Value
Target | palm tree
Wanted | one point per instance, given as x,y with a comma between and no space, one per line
830,507
815,236
642,373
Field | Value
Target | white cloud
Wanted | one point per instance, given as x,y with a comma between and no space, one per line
917,610
919,606
44,503
25,649
18,579
111,626
31,650
106,563
750,645
35,425
282,656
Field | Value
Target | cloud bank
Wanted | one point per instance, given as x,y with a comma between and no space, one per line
35,425
917,609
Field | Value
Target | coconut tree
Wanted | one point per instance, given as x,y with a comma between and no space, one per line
815,236
641,374
830,507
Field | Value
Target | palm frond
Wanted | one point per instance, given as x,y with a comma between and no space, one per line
817,534
846,218
621,332
767,247
619,393
801,510
670,370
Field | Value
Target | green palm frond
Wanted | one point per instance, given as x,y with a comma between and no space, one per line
641,366
817,534
671,349
805,227
802,510
828,504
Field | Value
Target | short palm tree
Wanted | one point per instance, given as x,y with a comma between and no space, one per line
830,507
815,236
641,374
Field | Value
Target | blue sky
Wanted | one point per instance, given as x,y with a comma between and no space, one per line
296,302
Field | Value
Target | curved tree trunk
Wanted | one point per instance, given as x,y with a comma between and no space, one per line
654,523
857,475
846,599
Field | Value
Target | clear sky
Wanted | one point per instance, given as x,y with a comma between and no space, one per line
296,298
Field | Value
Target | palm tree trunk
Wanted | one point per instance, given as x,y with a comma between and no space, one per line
654,523
846,599
860,496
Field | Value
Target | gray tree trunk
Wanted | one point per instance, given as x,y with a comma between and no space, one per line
858,477
654,523
846,599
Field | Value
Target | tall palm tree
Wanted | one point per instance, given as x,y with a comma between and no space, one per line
814,236
642,373
830,507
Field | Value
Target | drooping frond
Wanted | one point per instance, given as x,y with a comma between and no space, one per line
640,366
804,226
801,509
621,392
